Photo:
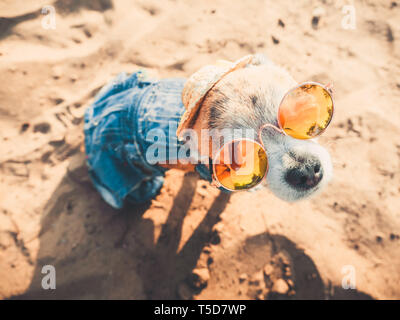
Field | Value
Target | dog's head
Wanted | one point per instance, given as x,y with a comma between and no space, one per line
248,98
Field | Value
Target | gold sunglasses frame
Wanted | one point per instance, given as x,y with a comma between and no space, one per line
328,88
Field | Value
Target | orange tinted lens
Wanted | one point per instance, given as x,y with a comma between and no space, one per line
240,164
306,111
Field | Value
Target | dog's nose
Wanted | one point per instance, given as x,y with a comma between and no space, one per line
305,177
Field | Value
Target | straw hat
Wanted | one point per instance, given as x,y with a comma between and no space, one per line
202,81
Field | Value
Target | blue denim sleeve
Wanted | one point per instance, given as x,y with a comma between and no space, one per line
116,164
118,137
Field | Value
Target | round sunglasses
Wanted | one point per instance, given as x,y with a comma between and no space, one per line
304,113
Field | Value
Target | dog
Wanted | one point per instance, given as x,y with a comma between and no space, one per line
135,122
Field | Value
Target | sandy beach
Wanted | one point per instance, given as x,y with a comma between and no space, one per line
191,241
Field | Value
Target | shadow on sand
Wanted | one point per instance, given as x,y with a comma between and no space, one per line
102,253
308,284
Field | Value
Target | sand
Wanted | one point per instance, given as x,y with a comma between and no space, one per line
192,242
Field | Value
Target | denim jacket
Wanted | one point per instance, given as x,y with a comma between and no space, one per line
118,134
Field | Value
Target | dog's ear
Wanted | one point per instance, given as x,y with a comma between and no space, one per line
259,59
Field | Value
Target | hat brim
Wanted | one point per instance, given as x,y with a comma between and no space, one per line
200,83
